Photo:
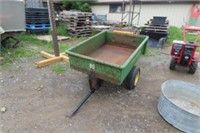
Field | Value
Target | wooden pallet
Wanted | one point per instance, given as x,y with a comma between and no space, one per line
77,23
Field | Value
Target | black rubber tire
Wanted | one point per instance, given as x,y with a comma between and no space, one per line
193,67
172,64
95,83
130,79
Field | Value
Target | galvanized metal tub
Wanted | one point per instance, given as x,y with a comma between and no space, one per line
179,104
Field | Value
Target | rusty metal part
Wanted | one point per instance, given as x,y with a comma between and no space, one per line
113,53
95,83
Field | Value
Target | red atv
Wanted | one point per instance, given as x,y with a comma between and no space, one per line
183,53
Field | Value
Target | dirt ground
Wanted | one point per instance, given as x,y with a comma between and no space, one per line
38,100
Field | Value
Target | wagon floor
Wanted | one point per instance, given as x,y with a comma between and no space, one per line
112,53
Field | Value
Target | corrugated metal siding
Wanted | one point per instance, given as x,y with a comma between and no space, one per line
176,13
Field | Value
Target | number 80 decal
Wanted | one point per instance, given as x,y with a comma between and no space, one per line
92,66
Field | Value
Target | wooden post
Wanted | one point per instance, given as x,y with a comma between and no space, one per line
53,27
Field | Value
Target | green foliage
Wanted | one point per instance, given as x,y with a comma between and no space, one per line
11,54
63,47
30,38
177,34
76,5
29,46
61,30
149,52
198,49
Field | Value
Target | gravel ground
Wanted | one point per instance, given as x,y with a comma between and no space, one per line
38,100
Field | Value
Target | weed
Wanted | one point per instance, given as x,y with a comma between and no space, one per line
11,54
30,38
58,68
61,30
198,49
149,52
63,47
177,34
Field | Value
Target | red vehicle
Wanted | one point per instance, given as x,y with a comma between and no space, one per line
184,54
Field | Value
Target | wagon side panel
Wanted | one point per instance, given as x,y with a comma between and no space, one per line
89,45
126,68
101,70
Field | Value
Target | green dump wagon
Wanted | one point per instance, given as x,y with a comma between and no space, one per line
109,56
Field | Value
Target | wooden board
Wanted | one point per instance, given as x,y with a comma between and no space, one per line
48,38
48,61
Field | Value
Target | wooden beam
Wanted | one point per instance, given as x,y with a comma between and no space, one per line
65,58
46,55
123,32
48,61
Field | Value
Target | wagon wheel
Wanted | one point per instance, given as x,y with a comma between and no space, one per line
132,79
95,83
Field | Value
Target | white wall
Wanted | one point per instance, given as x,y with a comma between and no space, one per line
175,13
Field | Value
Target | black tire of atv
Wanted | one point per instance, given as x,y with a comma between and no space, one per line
193,67
172,64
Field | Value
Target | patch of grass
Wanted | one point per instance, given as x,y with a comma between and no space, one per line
149,52
27,47
31,38
31,46
198,49
61,30
58,68
11,54
63,47
177,34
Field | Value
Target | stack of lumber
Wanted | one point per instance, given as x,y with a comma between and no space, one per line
77,23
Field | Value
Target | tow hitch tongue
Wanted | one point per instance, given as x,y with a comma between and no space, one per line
80,104
95,84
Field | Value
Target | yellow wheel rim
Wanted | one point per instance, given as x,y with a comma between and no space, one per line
137,78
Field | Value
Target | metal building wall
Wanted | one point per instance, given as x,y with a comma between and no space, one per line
177,14
12,15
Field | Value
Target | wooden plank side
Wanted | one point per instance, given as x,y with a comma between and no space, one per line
48,61
46,55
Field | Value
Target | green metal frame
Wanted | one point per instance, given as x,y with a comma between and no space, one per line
104,70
